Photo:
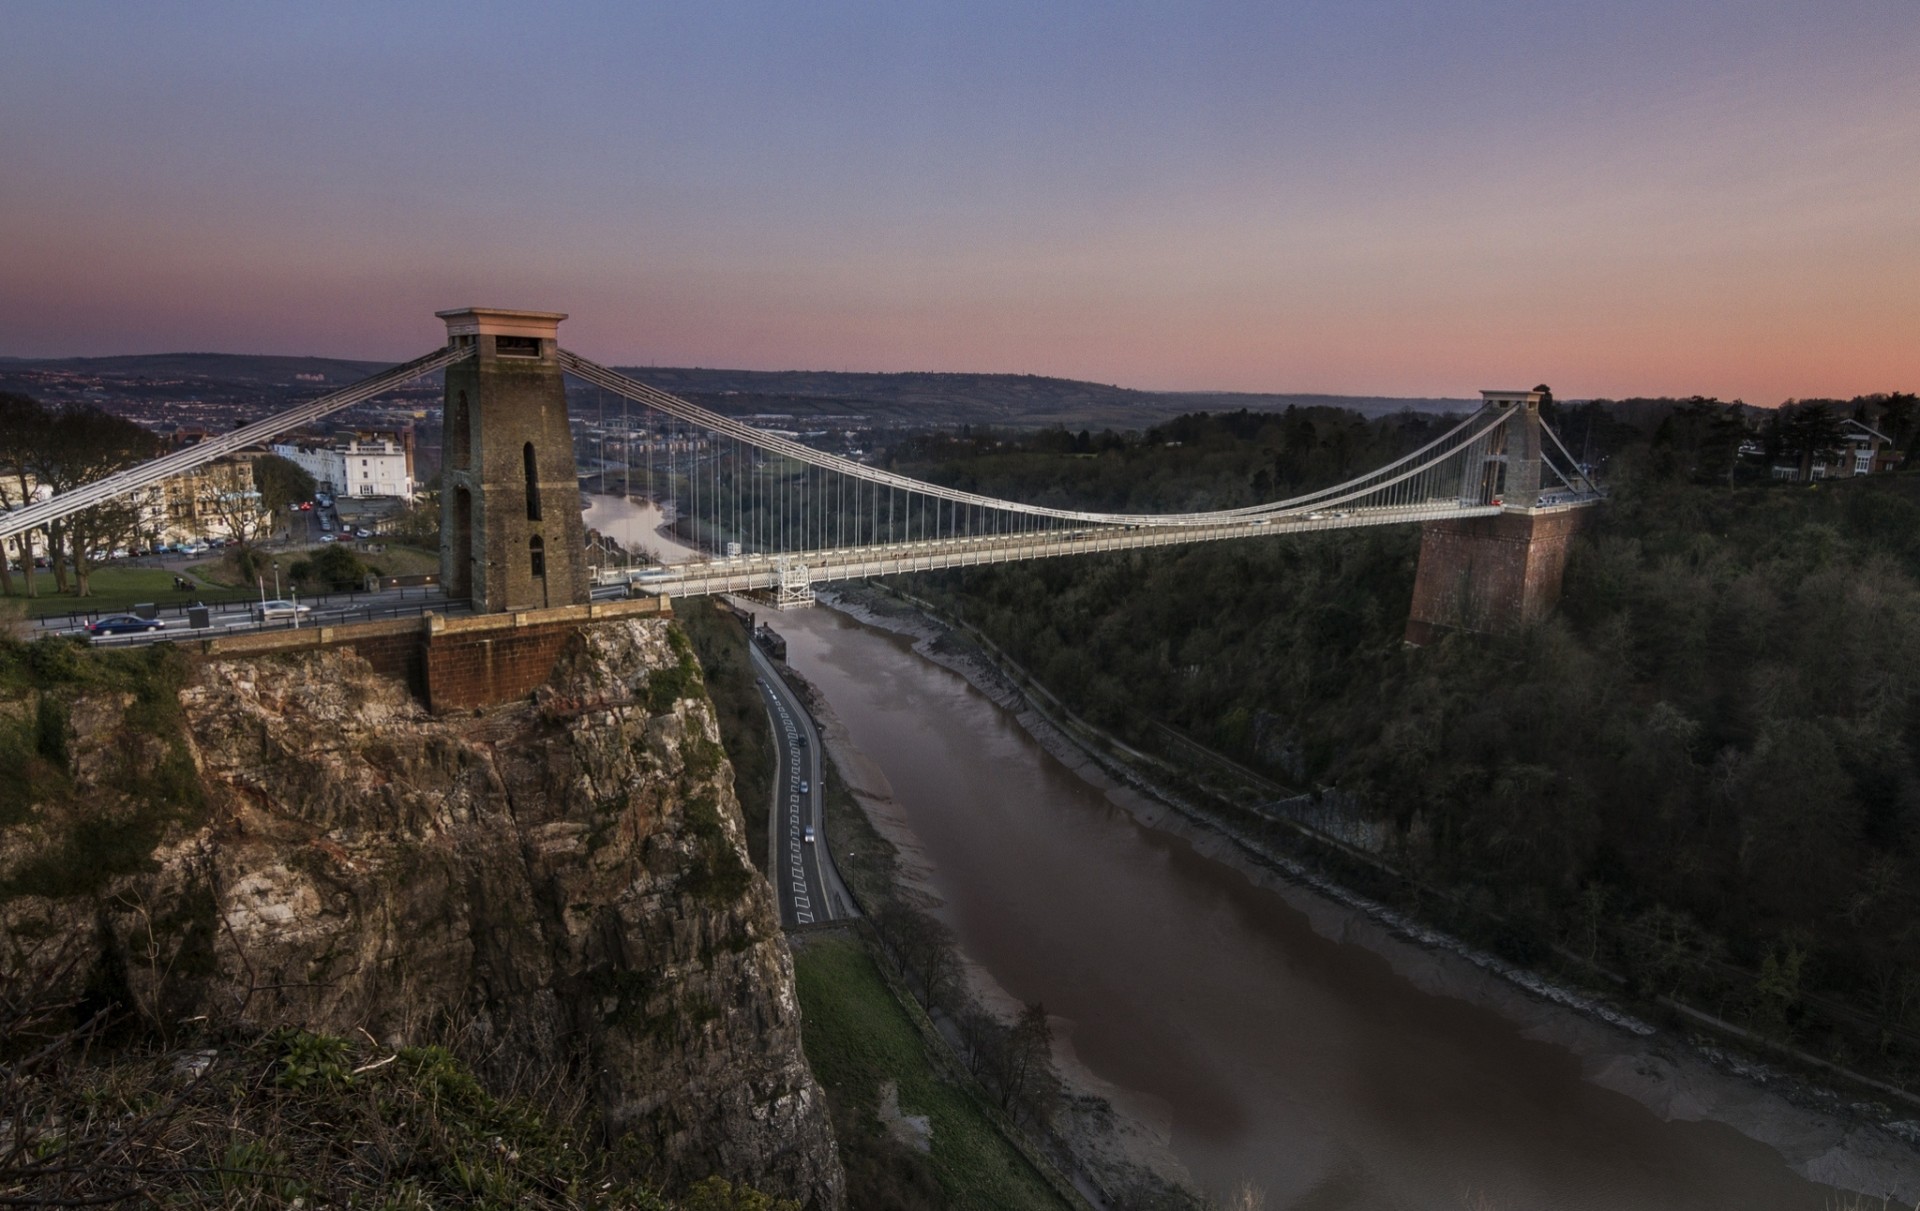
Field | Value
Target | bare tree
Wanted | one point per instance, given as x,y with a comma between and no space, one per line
81,444
225,493
23,425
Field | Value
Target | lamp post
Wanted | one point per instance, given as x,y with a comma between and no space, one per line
276,578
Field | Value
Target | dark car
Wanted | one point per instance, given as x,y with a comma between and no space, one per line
122,624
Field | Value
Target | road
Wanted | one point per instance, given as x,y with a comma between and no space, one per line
234,618
804,879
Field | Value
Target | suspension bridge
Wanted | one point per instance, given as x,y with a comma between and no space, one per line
766,513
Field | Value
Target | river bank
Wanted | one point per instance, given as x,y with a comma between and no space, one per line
1119,1139
1820,1136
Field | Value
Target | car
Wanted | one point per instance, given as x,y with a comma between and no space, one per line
124,624
325,537
804,788
808,835
363,533
801,741
306,506
266,611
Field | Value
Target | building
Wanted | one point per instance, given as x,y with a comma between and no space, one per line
217,500
357,466
1860,449
1865,450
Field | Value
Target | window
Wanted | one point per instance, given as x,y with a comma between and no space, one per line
516,346
537,555
533,483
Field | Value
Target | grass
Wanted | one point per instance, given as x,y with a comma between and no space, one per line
857,1037
402,561
115,590
293,1119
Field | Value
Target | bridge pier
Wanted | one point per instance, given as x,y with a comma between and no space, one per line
1491,575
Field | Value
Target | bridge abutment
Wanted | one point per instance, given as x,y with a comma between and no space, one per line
1490,574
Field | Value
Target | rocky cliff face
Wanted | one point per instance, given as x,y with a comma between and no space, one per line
562,883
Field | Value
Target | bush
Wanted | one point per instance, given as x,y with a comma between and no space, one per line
335,567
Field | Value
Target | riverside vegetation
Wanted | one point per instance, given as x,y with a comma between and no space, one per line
1699,780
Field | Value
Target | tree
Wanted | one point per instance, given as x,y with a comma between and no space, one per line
23,426
1809,431
81,444
227,497
336,567
1026,1079
282,484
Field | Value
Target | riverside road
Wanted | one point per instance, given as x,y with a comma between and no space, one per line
804,878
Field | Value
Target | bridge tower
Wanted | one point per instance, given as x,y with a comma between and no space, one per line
511,537
1496,574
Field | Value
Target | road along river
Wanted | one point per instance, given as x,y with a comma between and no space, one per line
1315,1067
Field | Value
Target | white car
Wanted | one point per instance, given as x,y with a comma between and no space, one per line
266,611
808,835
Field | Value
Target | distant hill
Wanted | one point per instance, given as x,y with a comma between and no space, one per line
232,367
253,384
1019,400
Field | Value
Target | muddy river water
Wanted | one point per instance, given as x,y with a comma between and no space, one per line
1303,1064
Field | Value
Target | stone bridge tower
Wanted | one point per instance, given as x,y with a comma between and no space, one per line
511,537
1500,573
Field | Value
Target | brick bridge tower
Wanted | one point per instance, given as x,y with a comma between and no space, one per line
1496,574
511,537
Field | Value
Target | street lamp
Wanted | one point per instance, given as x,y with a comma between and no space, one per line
276,578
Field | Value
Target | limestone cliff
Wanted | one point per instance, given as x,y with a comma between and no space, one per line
562,883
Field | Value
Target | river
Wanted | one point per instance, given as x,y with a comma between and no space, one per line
635,525
1303,1064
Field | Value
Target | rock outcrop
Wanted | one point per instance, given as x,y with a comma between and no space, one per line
562,884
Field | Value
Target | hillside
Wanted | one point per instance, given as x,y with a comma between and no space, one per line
248,385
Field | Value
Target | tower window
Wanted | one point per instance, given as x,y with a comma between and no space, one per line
533,483
516,346
537,555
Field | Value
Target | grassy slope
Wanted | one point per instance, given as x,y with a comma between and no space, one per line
858,1037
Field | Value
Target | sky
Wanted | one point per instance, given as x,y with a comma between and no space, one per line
1396,197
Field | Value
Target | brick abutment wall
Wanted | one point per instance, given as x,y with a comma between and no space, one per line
450,663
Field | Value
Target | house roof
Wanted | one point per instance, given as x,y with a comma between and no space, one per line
1866,429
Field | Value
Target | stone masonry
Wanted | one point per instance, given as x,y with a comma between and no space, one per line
511,535
1490,574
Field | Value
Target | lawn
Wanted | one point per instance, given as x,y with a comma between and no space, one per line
394,560
119,589
857,1037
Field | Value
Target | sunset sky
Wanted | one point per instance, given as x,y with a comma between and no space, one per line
1400,198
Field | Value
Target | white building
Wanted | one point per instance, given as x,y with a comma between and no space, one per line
355,467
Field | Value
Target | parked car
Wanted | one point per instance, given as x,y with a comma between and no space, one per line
363,533
267,611
124,624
